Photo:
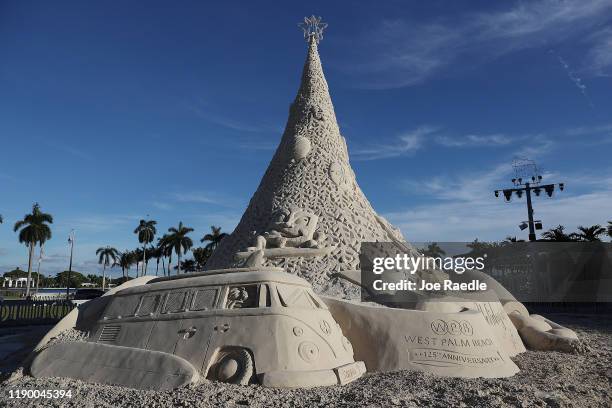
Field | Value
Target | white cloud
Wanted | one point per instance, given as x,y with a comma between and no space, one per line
402,53
599,58
97,222
465,208
423,136
405,144
534,147
474,140
591,130
161,206
226,220
199,197
465,187
591,135
231,123
574,78
257,145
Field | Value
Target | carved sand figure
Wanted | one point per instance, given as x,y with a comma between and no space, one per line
267,325
295,229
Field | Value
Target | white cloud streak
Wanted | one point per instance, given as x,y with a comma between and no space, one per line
231,123
97,222
195,197
406,144
599,58
474,140
423,136
577,81
403,53
464,207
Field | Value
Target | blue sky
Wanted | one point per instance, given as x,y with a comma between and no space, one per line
112,111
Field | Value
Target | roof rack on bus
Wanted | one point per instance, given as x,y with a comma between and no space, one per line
216,272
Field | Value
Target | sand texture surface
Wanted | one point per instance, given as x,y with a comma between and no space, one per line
547,379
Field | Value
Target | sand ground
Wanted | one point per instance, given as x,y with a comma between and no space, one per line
547,379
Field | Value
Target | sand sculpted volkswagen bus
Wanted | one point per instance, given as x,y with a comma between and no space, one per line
239,326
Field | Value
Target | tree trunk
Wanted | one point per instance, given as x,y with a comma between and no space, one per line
164,265
144,260
29,269
38,270
104,276
178,271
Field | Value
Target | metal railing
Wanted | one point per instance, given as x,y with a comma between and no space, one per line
27,312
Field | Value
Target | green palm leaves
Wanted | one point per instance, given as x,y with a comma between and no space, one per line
178,241
106,255
33,229
146,233
214,237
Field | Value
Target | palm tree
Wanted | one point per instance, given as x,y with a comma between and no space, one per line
155,252
1,219
179,242
125,261
558,234
477,248
163,250
214,237
591,233
146,233
136,256
166,251
150,254
189,265
106,255
34,230
201,255
433,250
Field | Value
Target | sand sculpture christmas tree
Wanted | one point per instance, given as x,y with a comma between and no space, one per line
308,212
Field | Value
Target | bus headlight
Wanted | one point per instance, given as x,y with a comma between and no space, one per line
308,351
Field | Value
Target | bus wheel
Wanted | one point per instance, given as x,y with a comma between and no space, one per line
235,367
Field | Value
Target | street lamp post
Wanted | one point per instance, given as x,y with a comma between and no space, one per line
528,187
71,240
532,235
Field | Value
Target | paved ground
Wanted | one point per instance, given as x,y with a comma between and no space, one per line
546,380
16,343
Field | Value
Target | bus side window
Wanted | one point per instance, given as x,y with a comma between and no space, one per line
295,296
174,302
148,305
264,296
242,297
204,299
122,306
